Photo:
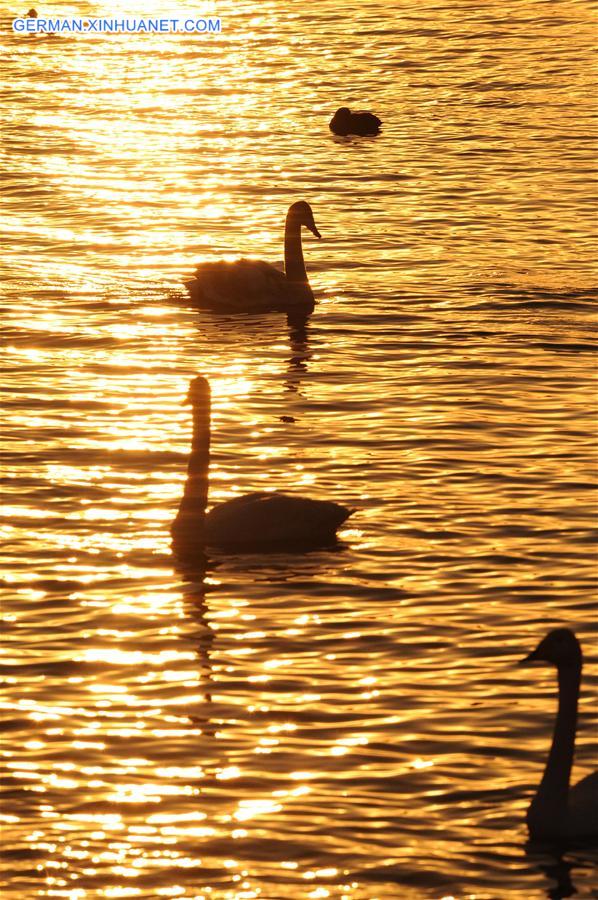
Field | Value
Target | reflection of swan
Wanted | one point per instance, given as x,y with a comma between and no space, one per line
345,122
557,811
556,869
300,353
193,571
264,521
249,285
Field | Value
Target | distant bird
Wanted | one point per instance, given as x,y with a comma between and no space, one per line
345,122
558,811
249,285
32,14
261,521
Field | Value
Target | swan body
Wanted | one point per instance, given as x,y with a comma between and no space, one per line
248,285
261,521
274,519
345,122
558,811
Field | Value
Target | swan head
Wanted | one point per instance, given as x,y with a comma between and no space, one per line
199,392
302,214
560,647
342,115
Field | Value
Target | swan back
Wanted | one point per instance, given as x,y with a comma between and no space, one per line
582,810
241,285
268,519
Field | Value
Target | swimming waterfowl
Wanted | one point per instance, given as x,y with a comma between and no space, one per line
261,521
558,811
345,122
249,285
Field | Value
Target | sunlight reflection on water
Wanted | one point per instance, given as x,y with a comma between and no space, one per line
345,723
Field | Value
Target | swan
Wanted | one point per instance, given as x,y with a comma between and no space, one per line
250,285
345,122
558,811
261,521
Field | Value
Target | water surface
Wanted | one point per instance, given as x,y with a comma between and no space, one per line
346,723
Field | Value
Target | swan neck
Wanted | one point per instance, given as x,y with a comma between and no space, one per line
554,787
294,265
192,508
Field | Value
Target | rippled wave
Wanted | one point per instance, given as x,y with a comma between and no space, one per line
343,723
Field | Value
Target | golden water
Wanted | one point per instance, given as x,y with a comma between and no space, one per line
342,724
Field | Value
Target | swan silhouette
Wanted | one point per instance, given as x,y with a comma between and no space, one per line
260,521
558,811
250,285
345,122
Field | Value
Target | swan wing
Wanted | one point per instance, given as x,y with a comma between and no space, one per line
367,122
264,519
582,807
245,285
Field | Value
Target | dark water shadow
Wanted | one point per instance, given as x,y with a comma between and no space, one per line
270,564
193,571
558,861
250,331
298,325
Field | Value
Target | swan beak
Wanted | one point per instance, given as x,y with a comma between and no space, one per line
530,658
313,229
